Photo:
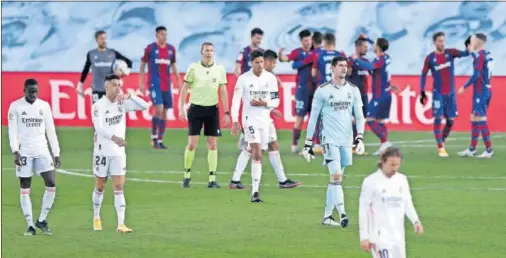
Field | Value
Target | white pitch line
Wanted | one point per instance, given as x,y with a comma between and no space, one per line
432,140
62,171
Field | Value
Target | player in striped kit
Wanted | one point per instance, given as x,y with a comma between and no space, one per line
444,104
481,83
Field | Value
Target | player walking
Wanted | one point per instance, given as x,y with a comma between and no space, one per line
334,103
480,80
385,199
378,110
161,59
101,61
204,78
444,104
269,57
258,90
30,121
109,157
305,91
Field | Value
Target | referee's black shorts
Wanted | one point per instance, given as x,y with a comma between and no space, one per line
204,116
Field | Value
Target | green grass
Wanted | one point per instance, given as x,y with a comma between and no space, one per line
460,201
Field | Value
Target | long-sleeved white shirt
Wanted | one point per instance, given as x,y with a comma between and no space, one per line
109,120
251,87
28,126
383,204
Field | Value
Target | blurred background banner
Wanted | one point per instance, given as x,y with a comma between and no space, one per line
55,36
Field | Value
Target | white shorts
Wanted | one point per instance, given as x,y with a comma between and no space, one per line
35,165
256,134
391,250
104,166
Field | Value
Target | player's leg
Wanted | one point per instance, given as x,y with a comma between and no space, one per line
25,173
275,159
475,127
167,103
256,170
372,113
156,98
44,166
485,132
101,172
212,130
195,123
331,156
117,167
450,113
301,107
382,114
438,106
240,167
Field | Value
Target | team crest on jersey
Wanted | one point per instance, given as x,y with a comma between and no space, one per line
331,97
95,112
11,116
349,95
41,113
120,109
214,79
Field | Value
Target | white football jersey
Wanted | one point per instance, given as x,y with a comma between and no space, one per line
383,204
251,87
109,119
28,126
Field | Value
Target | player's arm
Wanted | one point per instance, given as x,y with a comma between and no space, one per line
124,58
189,77
51,131
364,209
377,63
290,57
425,71
306,61
84,74
357,109
223,91
13,129
314,66
409,208
478,68
238,63
134,103
97,123
273,101
458,53
142,68
236,99
351,65
316,109
173,68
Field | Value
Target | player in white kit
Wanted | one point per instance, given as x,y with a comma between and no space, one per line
109,157
30,120
385,199
258,90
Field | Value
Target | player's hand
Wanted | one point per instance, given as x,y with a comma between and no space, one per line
182,114
366,245
461,91
359,144
141,88
226,120
307,151
423,97
122,97
418,228
79,89
258,103
276,113
17,158
119,141
57,162
236,128
394,88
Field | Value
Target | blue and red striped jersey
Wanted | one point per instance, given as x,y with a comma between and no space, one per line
322,63
482,73
441,66
243,58
159,60
303,77
359,75
380,74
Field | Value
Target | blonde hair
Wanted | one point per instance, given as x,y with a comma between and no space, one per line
387,153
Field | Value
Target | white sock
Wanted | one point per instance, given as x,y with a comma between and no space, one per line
256,175
26,205
242,162
340,200
47,202
276,163
330,203
97,198
120,204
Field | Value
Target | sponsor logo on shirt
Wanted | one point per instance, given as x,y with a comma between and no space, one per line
103,64
162,61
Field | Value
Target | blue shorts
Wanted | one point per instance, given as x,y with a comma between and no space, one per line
444,105
379,108
303,100
159,97
480,104
343,155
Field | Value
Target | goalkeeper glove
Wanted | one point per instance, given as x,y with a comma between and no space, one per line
423,97
359,144
307,151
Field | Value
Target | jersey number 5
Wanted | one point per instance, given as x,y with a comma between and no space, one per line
328,71
100,161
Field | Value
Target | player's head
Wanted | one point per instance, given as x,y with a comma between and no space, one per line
339,67
381,45
101,39
257,61
112,86
161,34
390,161
305,39
329,40
31,89
480,40
317,39
256,36
270,58
467,42
207,50
361,46
438,39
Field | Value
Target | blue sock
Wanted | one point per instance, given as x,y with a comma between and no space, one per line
154,127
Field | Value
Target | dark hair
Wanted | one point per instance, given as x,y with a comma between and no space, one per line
207,43
98,33
30,82
437,35
387,153
359,41
269,54
256,54
111,77
468,41
160,28
382,43
304,33
338,59
482,37
317,38
257,31
329,38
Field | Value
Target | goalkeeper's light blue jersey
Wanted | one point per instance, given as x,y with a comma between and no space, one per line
334,104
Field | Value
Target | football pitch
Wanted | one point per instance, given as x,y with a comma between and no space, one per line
461,203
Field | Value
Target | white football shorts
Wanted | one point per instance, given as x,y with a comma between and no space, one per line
388,249
35,165
256,134
104,166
